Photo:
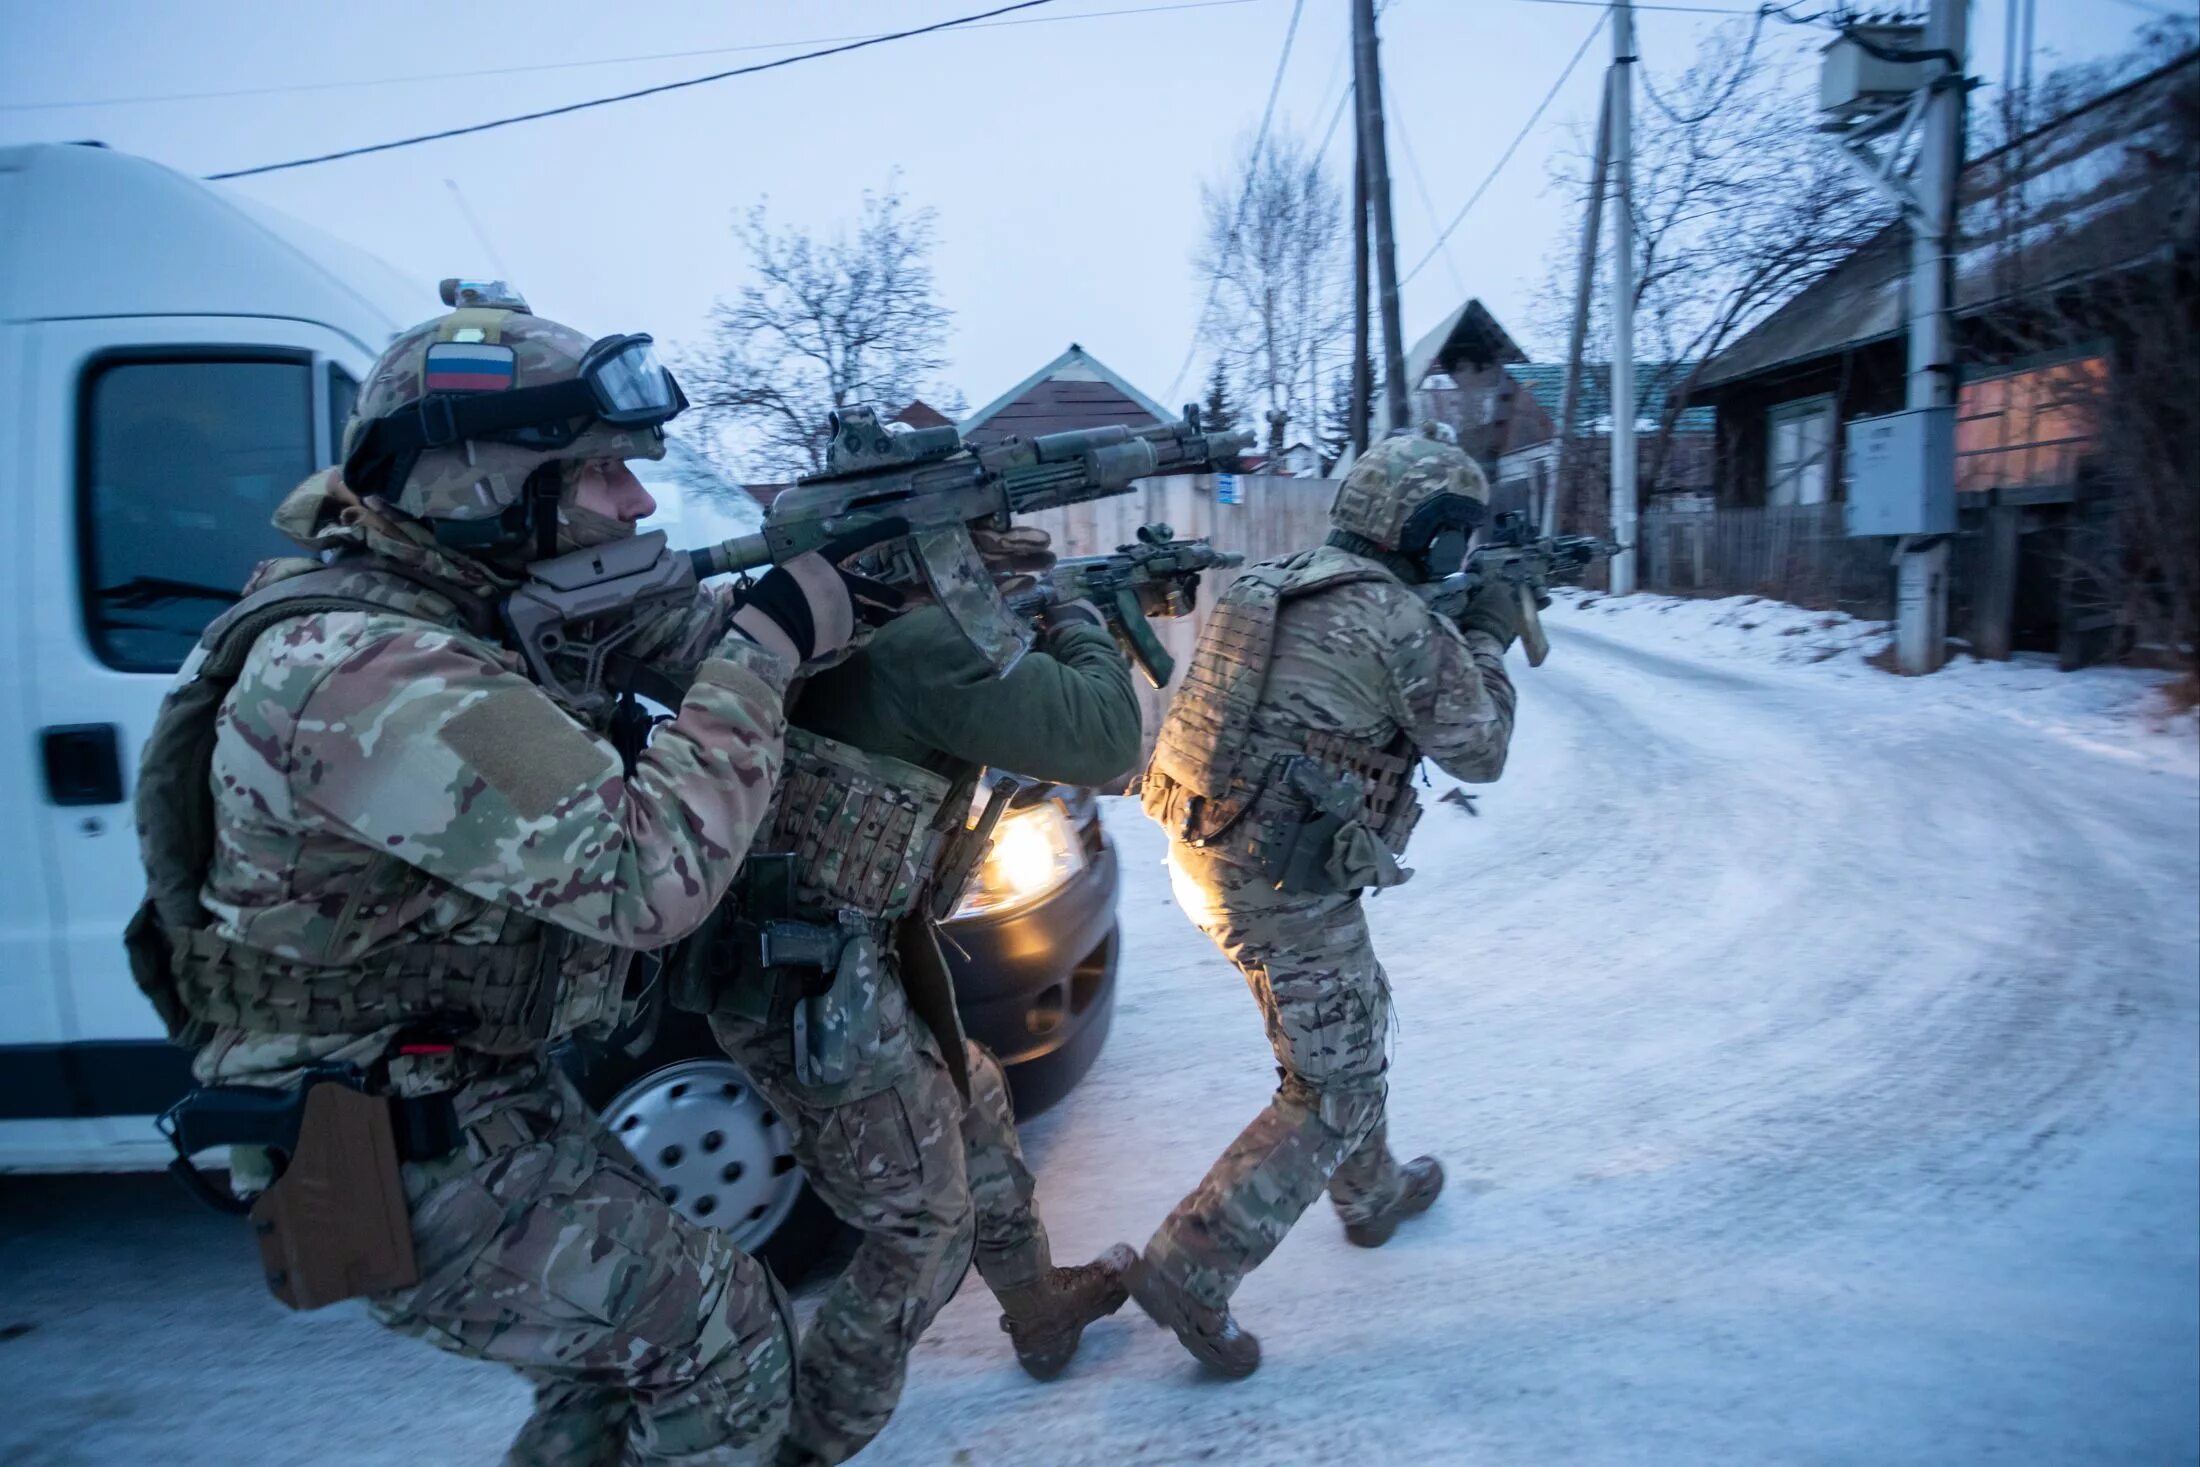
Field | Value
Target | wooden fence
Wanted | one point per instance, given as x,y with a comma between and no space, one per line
1273,516
1796,553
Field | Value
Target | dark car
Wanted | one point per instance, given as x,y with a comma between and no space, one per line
1033,946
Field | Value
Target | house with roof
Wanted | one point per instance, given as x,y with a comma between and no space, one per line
2071,237
1468,372
1075,390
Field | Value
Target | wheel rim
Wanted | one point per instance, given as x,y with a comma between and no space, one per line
721,1154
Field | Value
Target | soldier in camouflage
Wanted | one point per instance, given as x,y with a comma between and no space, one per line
1283,777
423,867
902,1125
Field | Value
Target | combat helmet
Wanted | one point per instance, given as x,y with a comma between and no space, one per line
1411,498
465,420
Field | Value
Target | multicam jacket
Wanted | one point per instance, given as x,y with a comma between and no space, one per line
383,780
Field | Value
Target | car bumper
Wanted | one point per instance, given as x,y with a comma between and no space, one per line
1037,985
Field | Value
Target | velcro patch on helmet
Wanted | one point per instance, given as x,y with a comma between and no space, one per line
454,366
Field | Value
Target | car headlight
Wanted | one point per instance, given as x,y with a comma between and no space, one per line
1034,851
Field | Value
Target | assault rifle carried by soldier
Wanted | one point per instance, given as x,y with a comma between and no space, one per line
1514,555
1154,577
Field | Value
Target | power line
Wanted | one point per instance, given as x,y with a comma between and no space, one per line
697,81
1405,145
593,61
1512,147
1237,217
1675,9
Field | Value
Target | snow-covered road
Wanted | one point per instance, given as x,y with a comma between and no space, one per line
1816,1059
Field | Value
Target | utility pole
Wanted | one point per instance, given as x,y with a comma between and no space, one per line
1363,385
1921,590
1885,82
1367,88
1623,298
1585,282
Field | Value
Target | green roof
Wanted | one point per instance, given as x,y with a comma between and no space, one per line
1546,382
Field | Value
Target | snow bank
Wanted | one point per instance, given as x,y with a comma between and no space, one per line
2117,711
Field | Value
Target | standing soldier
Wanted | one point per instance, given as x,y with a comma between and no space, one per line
1283,777
831,993
387,869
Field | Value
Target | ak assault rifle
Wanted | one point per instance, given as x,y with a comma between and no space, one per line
1514,554
925,481
1157,576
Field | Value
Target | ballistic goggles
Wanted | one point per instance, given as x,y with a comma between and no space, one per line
620,382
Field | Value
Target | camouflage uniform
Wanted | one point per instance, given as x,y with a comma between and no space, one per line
1327,654
930,1179
396,808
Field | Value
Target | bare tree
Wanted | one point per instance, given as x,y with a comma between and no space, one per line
1739,202
1276,247
831,319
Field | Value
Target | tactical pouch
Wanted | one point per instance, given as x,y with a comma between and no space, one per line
1292,842
836,1026
153,967
334,1225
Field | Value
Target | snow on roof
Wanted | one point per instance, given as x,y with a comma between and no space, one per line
1075,390
87,231
2087,193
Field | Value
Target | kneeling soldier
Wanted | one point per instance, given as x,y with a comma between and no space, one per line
387,869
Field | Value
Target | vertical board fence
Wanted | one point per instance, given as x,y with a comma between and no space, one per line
1274,516
1800,553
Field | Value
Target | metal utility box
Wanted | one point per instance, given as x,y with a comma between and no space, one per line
1901,473
1853,83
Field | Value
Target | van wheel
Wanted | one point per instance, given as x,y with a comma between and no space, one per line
722,1156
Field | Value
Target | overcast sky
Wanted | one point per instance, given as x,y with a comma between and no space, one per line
1064,157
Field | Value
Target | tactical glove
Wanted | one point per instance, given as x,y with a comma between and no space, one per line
1494,610
808,608
1078,613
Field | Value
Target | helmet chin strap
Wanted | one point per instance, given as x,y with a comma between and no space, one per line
544,488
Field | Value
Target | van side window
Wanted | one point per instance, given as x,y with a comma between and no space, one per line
343,396
181,462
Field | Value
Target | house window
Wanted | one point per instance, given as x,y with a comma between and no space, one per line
181,462
1799,454
2028,428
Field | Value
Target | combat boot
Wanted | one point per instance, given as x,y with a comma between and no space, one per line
1419,1181
1215,1339
1045,1320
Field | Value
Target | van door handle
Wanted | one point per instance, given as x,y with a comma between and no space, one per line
83,763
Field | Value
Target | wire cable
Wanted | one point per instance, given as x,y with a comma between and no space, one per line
1237,217
361,83
1675,9
1510,148
696,81
1396,119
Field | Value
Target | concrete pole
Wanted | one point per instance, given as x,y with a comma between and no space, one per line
1921,592
1585,284
1623,297
1368,103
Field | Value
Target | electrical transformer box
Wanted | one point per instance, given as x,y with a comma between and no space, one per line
1853,82
1901,473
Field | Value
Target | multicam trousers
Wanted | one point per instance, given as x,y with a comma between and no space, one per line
542,1246
929,1181
1322,994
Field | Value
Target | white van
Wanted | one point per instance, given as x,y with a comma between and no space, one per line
173,360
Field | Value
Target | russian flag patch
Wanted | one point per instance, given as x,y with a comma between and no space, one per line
455,366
